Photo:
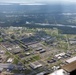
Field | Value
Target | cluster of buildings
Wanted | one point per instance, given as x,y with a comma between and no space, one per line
7,51
13,48
26,48
68,69
5,64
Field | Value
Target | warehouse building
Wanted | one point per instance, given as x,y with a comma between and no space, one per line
59,72
71,60
35,65
69,69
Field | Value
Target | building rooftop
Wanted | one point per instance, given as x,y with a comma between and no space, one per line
70,67
10,60
60,54
6,66
42,73
35,65
71,59
58,72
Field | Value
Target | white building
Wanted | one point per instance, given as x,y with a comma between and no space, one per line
59,72
35,65
59,56
71,60
41,73
68,69
10,60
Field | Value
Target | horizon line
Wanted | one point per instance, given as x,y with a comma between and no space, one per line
12,3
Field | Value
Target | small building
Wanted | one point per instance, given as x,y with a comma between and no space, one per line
39,49
10,60
71,60
27,54
60,54
2,51
9,49
72,42
35,65
42,51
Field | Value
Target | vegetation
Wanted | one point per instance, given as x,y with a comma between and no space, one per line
1,39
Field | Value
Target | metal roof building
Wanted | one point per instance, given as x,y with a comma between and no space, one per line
35,65
59,72
60,54
42,73
71,60
70,67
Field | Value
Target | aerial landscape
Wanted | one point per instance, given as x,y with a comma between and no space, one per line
37,37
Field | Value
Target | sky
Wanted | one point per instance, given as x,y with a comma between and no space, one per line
38,1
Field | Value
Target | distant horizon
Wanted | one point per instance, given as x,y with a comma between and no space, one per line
40,2
11,3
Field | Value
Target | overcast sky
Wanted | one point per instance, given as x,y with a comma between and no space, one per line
38,1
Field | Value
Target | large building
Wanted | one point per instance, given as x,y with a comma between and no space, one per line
35,65
59,72
69,69
71,59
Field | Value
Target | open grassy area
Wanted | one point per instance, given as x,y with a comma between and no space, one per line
37,57
1,39
32,59
24,71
